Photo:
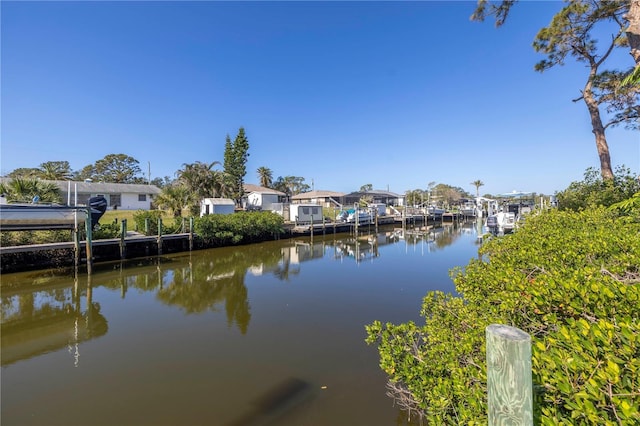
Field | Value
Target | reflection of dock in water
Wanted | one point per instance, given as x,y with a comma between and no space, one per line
38,322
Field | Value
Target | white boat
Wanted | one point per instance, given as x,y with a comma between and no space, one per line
502,222
25,216
364,217
435,211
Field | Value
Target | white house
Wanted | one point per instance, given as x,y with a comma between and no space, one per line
216,206
305,213
118,195
261,198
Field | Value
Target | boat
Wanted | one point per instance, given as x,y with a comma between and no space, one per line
504,222
468,209
363,217
435,211
31,216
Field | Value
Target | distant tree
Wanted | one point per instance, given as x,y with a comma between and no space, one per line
24,172
366,187
594,191
87,172
571,34
161,182
291,185
447,195
25,189
116,168
265,175
415,197
236,155
55,170
477,183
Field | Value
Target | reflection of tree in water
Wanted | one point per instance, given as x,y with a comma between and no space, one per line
213,277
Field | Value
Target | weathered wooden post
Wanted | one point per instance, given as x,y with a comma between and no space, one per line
190,233
146,226
89,242
123,234
159,236
509,384
76,245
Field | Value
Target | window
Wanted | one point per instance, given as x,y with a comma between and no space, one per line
142,197
305,210
115,200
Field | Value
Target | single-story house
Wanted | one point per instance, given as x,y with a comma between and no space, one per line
323,198
217,206
378,196
305,213
123,196
261,198
119,195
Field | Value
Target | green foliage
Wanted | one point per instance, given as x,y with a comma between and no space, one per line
19,238
594,191
105,231
55,170
291,185
116,168
236,154
140,220
265,176
25,189
569,279
237,228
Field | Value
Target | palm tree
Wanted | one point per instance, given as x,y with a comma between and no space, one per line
477,183
202,180
174,198
25,189
266,176
54,170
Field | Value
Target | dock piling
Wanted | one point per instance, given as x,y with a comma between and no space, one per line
509,382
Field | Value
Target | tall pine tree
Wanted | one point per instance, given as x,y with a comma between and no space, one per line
236,154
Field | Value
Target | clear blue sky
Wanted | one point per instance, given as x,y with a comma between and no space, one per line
395,94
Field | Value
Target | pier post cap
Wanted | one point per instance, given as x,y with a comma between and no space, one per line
507,332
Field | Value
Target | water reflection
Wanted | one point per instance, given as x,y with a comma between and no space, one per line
271,332
41,312
45,320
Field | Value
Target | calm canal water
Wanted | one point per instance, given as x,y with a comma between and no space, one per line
270,333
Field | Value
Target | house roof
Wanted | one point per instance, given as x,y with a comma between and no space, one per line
220,201
317,194
101,187
108,188
261,189
375,193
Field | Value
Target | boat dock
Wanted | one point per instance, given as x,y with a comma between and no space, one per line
338,227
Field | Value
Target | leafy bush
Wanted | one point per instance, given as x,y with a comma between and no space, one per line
572,281
140,219
109,230
594,191
241,227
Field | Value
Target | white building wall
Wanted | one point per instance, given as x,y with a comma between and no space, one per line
130,202
303,212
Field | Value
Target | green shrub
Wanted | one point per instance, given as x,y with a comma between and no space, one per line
240,227
571,280
141,217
